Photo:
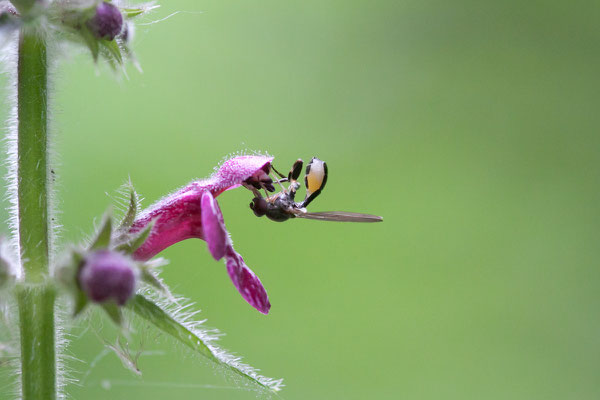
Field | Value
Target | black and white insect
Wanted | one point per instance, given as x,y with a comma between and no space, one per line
282,206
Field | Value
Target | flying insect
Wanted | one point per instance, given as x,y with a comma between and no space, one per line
282,206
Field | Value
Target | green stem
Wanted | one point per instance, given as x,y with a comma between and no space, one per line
38,362
32,151
35,296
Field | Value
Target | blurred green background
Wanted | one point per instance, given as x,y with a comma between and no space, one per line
471,126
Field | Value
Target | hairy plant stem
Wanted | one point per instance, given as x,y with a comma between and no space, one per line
35,295
38,362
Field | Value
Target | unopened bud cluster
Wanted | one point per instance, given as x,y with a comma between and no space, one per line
6,9
103,26
107,21
8,15
107,275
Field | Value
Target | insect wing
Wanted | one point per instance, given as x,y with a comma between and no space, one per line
341,216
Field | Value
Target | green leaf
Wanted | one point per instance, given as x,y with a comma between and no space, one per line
131,211
91,42
149,278
77,257
132,12
81,301
114,313
66,273
152,313
196,340
113,52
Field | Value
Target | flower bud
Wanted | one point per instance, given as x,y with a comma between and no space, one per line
7,15
7,9
107,275
107,22
25,6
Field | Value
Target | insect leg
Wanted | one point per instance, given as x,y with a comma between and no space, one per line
279,183
266,192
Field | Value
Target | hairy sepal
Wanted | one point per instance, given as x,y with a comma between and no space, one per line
135,242
131,213
103,236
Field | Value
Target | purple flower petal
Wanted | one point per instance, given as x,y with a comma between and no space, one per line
176,218
213,225
193,212
234,171
246,282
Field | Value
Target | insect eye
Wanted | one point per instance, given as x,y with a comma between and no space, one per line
259,206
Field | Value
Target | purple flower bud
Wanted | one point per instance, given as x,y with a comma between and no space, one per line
107,22
8,16
107,275
24,7
6,9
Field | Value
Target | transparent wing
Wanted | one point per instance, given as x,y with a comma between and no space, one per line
341,216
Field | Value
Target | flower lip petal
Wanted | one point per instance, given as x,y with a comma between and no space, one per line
234,171
178,215
246,282
193,212
213,226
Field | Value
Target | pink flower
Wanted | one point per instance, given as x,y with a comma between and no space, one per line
193,212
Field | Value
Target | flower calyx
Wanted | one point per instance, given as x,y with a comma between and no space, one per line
107,21
105,272
103,26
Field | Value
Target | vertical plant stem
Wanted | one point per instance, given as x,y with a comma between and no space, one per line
38,364
32,151
35,295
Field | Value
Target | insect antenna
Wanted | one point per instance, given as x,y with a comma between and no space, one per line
277,172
